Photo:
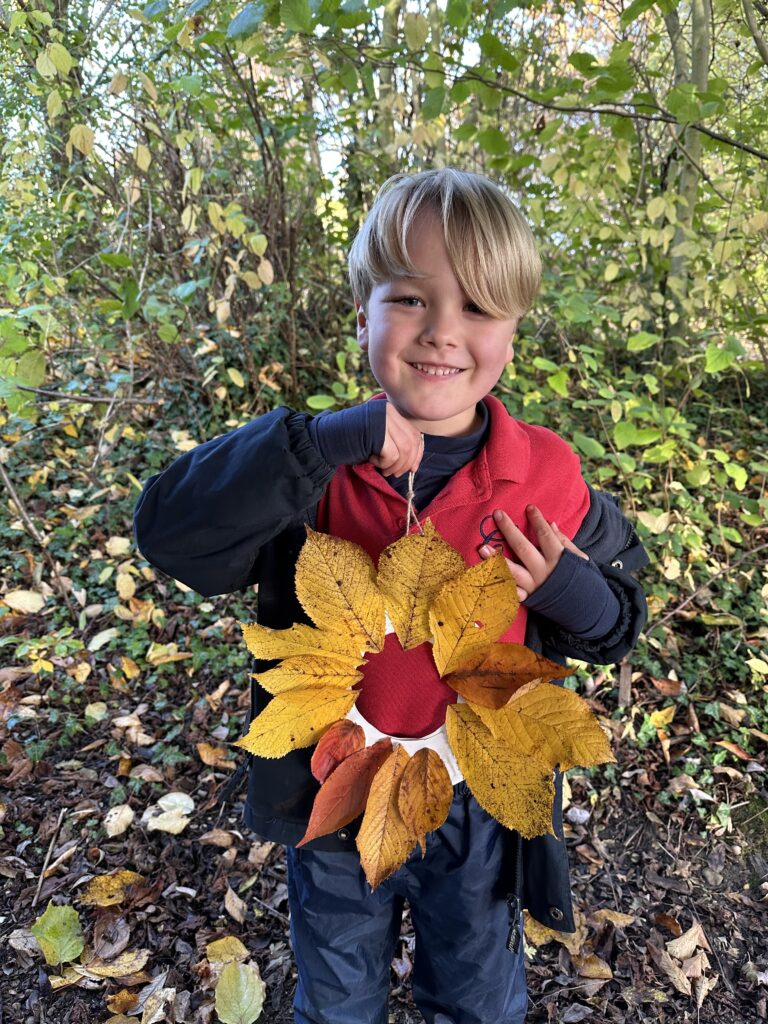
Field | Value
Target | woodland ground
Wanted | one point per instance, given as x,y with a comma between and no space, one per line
640,849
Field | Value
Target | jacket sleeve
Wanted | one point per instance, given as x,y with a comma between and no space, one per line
614,548
205,518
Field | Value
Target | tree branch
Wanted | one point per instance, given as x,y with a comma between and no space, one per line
760,43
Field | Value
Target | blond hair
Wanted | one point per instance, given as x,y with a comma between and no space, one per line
491,248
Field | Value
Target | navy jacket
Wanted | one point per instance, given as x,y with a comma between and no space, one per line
231,513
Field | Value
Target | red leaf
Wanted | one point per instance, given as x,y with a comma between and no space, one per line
342,739
344,794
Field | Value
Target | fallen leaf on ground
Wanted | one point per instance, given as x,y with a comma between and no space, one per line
107,890
240,994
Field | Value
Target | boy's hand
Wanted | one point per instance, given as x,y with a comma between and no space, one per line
534,564
403,446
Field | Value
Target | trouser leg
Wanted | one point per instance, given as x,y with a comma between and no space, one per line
343,937
463,971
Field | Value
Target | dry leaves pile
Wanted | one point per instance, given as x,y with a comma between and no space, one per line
510,731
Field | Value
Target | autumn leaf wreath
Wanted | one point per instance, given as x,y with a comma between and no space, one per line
508,731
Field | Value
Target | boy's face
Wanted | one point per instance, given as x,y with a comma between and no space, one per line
434,353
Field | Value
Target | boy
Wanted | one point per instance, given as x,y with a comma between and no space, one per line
442,271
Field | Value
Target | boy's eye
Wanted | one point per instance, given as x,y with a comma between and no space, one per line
407,300
474,308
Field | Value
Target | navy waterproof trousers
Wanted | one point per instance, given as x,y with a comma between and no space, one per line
344,935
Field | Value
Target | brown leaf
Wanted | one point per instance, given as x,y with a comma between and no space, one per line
686,945
734,748
425,793
614,916
343,795
215,757
538,934
668,922
500,671
122,1001
664,961
342,739
669,687
384,840
591,966
217,837
234,906
733,716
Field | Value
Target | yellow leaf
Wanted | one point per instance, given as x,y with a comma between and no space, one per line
239,994
81,137
472,612
45,65
336,586
223,311
252,279
296,718
551,723
411,573
126,585
504,669
129,667
425,793
384,840
225,951
61,58
129,962
26,601
118,84
515,788
149,86
143,157
215,757
661,719
117,546
235,376
271,644
591,966
216,217
258,244
53,105
266,271
308,670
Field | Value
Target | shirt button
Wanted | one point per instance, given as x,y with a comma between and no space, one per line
556,913
618,564
343,833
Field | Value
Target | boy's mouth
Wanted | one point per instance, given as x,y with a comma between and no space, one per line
437,370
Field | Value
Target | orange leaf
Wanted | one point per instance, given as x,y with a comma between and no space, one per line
734,749
384,840
341,740
501,670
343,795
425,793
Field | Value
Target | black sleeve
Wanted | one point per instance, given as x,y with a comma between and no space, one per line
205,518
611,542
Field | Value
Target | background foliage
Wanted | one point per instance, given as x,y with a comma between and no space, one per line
178,186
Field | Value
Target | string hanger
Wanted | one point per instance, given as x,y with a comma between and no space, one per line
411,514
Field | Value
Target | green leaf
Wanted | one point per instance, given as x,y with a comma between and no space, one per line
642,340
129,290
683,103
246,22
155,9
239,994
61,59
633,12
493,48
588,445
297,15
584,63
30,369
737,473
432,105
493,141
167,333
115,259
416,28
321,402
59,933
626,434
457,13
719,359
559,382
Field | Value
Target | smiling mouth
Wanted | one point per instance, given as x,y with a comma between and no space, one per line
437,371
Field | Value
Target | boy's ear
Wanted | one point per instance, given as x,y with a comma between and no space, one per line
362,327
511,351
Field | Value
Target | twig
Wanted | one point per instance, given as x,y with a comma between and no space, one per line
32,529
51,845
94,399
271,910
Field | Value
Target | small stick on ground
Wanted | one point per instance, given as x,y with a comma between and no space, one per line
51,845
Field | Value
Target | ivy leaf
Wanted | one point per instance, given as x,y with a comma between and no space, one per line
384,840
60,935
296,718
343,739
411,573
551,723
501,671
336,587
472,612
344,794
239,994
517,789
308,670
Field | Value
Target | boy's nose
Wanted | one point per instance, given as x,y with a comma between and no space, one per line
439,333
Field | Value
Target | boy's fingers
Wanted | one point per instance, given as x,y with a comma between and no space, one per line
549,541
528,554
567,543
